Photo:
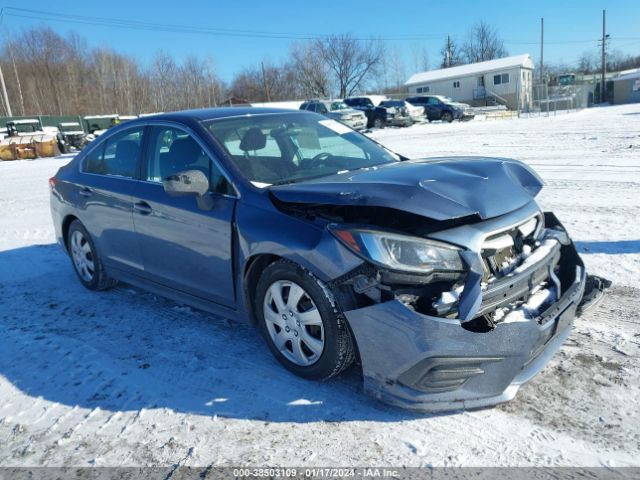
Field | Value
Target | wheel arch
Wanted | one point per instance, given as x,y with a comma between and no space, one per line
66,224
254,266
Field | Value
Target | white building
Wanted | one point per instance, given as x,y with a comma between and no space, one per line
508,80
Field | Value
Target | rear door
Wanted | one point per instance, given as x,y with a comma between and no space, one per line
183,246
104,199
434,109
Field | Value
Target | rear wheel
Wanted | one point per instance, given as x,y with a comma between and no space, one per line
301,322
447,117
85,258
378,122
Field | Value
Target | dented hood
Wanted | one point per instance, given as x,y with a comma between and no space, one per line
436,188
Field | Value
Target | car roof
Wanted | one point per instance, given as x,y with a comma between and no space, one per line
190,117
202,114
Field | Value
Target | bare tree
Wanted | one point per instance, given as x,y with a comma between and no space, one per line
310,72
266,82
420,58
587,62
350,60
483,44
450,54
394,69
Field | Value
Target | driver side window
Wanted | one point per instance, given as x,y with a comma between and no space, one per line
172,150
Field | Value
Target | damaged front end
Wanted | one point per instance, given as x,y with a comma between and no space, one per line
466,288
464,334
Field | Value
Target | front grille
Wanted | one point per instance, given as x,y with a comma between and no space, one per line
504,251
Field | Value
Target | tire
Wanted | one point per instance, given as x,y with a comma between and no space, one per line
62,146
447,117
85,259
324,346
378,122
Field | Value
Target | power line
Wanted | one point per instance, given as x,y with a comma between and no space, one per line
175,28
190,29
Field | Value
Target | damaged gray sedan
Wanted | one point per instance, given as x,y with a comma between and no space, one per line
441,278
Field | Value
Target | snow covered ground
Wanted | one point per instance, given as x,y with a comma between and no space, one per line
125,378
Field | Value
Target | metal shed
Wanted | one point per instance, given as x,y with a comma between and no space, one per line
626,87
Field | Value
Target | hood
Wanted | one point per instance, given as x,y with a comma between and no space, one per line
460,105
435,188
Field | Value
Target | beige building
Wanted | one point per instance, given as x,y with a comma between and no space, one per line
506,81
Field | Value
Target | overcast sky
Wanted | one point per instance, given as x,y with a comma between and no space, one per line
240,33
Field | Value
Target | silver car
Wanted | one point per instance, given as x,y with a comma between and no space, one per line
337,110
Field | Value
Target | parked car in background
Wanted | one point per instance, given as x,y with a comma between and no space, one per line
71,134
439,107
405,113
441,277
337,110
377,116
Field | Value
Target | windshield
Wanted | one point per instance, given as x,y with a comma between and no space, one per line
291,147
339,106
392,103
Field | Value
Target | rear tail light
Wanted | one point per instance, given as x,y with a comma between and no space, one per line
52,183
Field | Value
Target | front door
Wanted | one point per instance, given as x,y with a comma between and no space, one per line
183,246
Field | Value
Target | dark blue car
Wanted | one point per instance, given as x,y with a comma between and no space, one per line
440,278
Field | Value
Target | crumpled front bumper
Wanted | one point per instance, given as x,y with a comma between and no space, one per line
429,363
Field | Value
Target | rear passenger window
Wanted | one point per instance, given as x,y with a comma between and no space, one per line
117,156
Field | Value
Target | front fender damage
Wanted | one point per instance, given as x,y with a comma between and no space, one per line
413,356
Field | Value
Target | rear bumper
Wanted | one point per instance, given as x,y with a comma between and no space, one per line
429,363
398,121
359,124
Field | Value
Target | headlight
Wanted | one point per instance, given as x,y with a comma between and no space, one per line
401,252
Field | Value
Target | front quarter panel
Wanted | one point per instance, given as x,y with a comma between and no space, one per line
265,230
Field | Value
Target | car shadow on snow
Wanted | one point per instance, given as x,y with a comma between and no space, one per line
127,350
611,247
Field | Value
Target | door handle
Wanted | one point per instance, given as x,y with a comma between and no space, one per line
142,207
85,192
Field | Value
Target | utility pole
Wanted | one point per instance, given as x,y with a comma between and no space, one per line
448,51
4,87
542,51
604,63
4,94
265,83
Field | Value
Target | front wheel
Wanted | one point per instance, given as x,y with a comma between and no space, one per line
447,117
378,122
301,322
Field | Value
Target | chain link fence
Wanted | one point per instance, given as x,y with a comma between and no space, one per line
555,99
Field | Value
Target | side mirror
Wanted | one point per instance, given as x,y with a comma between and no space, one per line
189,183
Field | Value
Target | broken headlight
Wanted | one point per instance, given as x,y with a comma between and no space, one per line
401,252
